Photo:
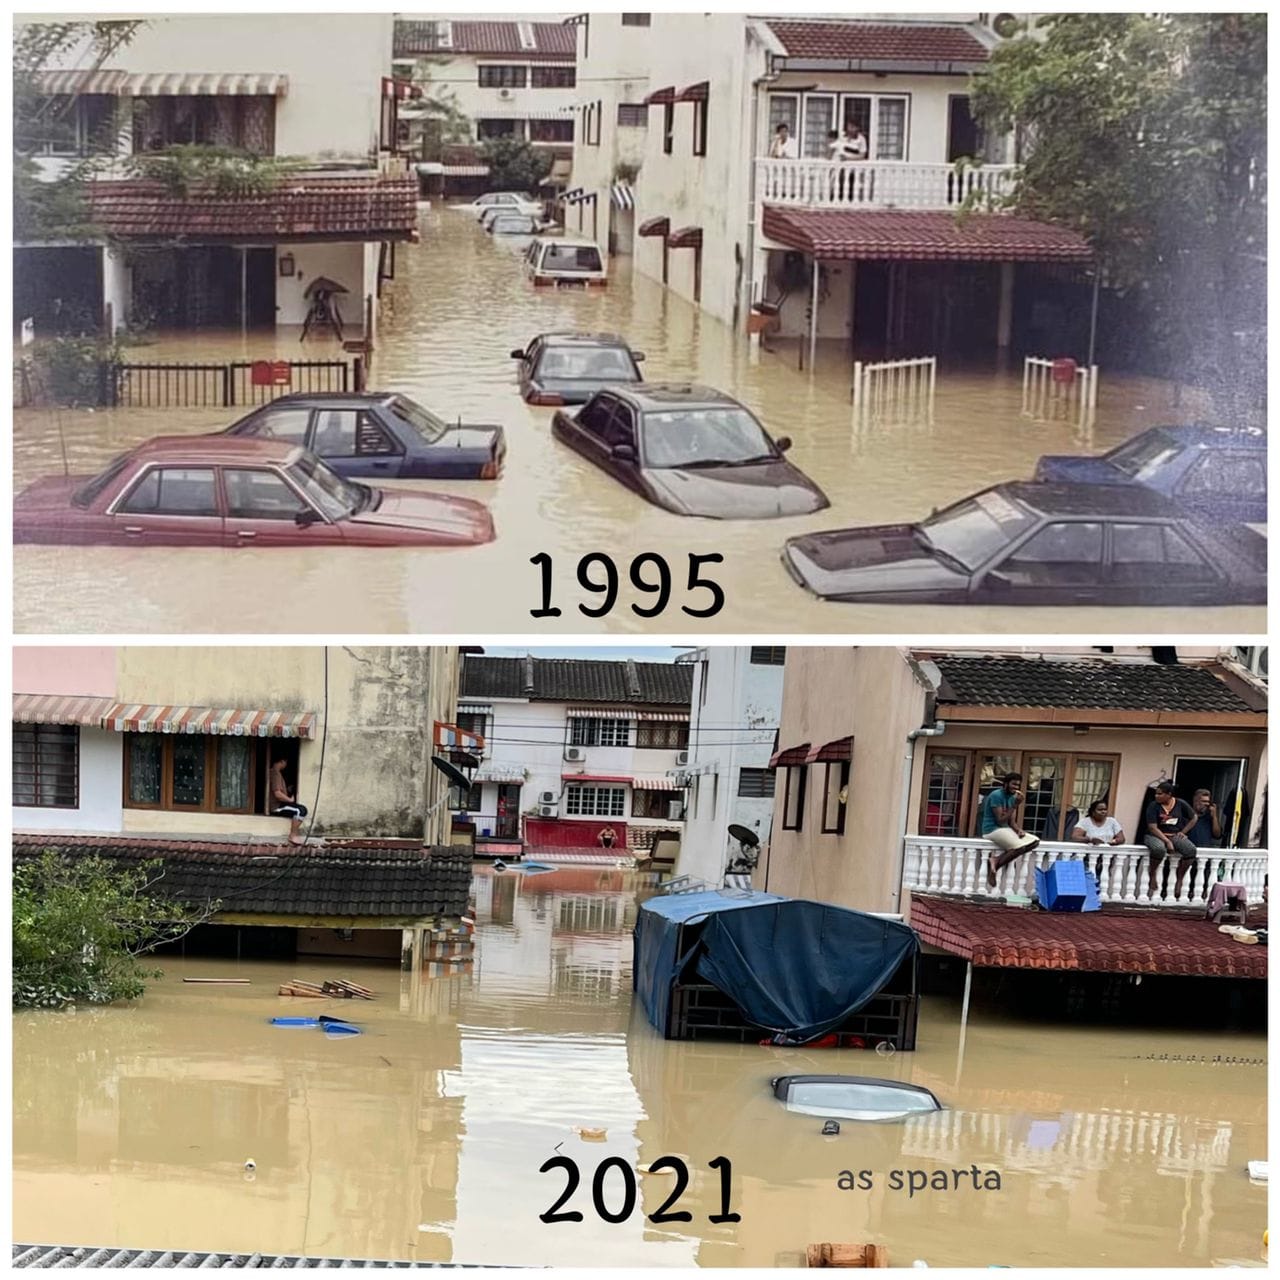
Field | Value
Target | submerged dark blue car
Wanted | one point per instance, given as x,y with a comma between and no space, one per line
379,435
1218,474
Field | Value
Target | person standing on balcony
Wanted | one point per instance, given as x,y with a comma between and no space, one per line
1207,833
1000,825
854,142
1168,822
783,146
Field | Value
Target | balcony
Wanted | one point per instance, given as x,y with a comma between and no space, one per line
877,184
940,865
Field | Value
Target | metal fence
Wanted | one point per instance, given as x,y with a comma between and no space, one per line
234,384
895,390
1058,389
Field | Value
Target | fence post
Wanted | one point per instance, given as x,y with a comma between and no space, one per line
857,384
358,370
228,387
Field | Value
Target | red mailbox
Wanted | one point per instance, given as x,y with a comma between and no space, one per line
1064,369
270,373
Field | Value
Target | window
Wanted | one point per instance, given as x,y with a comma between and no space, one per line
551,131
499,129
494,76
571,257
633,115
473,722
593,132
653,804
282,424
700,127
1141,552
768,655
468,801
261,495
810,117
46,766
890,138
664,735
793,797
595,802
1058,787
635,19
1060,554
553,77
1238,475
668,127
198,772
173,491
349,433
819,120
784,108
67,126
246,123
588,731
596,415
756,783
835,797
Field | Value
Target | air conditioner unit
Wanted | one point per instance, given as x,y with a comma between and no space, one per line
546,811
574,753
1006,25
504,94
547,797
682,757
675,811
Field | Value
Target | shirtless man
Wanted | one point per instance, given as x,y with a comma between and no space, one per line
284,804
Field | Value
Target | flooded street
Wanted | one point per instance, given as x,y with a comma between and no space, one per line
458,307
422,1138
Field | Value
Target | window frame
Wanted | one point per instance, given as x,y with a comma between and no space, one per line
638,115
843,770
758,773
209,802
797,786
67,734
518,77
767,655
630,19
117,507
672,735
562,76
574,791
668,128
594,737
700,126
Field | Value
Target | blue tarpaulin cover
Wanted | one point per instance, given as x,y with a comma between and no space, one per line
792,966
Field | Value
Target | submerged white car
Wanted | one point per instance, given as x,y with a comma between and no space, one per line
512,201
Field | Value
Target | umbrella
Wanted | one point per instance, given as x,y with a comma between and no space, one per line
322,284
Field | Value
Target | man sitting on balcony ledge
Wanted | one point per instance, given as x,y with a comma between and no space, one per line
1000,825
1168,822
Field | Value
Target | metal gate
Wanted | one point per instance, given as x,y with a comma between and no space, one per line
240,383
895,390
1058,389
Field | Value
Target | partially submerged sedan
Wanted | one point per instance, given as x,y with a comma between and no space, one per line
569,368
853,1097
692,450
379,435
1023,543
224,491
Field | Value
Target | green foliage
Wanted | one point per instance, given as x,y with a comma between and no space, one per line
80,926
70,369
514,165
1147,134
219,171
437,118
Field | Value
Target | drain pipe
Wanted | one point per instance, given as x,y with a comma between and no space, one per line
934,730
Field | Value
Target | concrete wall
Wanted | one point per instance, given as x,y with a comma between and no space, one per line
344,263
85,671
100,789
736,705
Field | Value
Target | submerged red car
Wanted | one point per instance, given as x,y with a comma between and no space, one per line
211,491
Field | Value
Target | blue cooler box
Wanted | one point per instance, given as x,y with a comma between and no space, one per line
1065,886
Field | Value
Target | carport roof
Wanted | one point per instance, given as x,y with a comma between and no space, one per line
369,879
298,209
922,236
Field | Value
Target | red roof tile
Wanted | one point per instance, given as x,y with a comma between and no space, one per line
922,236
363,208
1113,940
879,42
552,39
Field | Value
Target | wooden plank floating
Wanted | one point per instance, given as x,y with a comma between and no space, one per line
220,981
847,1255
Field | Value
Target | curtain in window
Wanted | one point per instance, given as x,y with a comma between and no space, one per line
235,764
891,129
145,754
188,771
819,120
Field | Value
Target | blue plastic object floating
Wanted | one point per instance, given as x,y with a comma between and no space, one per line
535,866
294,1022
336,1029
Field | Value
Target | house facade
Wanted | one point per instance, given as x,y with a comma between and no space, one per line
869,252
885,755
575,747
320,99
502,79
734,715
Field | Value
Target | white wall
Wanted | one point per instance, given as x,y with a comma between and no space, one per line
117,286
101,791
342,262
735,710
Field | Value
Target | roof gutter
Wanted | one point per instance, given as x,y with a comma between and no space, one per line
879,66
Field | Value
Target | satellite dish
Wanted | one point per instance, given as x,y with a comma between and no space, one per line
744,835
465,760
455,775
743,862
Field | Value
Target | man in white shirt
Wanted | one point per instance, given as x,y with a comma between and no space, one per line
854,143
783,146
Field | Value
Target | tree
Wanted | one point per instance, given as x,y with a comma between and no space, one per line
80,926
514,165
440,120
1147,134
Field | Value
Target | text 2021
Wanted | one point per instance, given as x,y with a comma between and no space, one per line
625,1207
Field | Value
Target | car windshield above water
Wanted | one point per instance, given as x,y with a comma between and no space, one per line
587,364
88,493
1142,457
972,531
421,420
572,257
853,1097
704,438
336,497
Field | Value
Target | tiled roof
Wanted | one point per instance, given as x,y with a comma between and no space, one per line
880,42
360,878
1113,940
578,680
1095,684
922,236
551,39
361,208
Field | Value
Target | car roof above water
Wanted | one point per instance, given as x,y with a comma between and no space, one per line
654,397
331,398
1206,436
217,449
1086,499
572,338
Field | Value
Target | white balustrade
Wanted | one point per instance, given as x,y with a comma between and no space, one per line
877,184
937,864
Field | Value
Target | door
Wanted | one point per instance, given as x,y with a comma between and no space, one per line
170,507
1222,776
263,509
260,288
591,431
622,433
1059,564
354,444
963,138
507,826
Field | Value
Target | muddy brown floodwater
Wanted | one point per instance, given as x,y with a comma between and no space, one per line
422,1138
458,307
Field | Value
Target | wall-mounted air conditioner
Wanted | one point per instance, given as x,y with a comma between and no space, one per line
675,810
546,811
504,94
682,757
574,753
547,797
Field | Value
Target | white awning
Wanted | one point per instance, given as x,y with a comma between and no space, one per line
464,170
501,773
523,113
475,709
668,717
154,84
601,713
623,196
655,782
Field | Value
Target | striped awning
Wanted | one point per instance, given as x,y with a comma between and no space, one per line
524,113
449,735
236,722
669,717
464,170
475,709
501,773
832,752
622,195
594,777
656,782
579,195
791,756
54,708
58,82
601,713
163,84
